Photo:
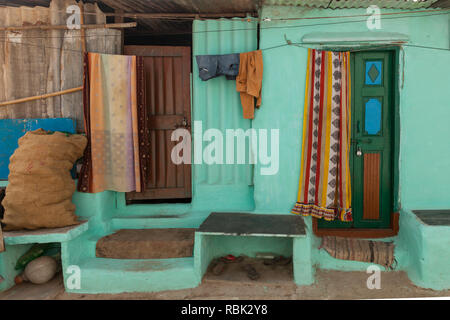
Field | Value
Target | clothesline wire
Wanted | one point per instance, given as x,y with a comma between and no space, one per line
298,44
309,45
251,29
108,14
297,26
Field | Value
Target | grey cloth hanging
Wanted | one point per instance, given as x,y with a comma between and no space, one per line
212,66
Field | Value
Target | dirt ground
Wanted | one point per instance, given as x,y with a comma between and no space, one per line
328,285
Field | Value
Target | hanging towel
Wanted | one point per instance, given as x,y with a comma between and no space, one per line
324,187
115,121
249,81
212,66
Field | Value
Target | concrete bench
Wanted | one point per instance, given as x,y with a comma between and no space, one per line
434,217
265,229
425,235
18,242
45,235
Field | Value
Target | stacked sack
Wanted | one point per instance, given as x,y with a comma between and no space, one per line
40,188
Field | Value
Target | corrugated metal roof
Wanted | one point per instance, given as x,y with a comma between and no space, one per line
163,6
182,26
178,6
337,4
441,4
32,3
28,3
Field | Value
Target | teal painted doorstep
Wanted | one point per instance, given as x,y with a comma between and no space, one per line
99,275
418,251
116,276
426,268
428,248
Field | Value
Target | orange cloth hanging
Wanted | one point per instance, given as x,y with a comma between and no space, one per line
249,81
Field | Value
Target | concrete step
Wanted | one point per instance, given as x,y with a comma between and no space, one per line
147,244
163,221
100,275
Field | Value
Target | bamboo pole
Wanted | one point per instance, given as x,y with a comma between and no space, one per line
43,96
64,27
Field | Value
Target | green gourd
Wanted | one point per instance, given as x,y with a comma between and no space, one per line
34,252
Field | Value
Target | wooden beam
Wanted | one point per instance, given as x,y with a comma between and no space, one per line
43,96
118,19
64,27
177,15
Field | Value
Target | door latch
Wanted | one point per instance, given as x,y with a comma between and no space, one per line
359,152
183,124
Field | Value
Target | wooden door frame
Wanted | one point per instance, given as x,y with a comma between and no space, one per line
168,51
395,216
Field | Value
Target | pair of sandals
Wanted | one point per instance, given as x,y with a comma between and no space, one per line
218,266
278,261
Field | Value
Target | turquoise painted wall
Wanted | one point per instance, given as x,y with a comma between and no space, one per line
424,102
424,95
217,105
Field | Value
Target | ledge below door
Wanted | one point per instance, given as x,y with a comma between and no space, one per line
359,233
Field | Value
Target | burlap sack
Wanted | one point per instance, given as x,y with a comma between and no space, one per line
40,188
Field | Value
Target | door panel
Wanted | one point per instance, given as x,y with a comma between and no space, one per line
371,196
371,153
167,96
373,136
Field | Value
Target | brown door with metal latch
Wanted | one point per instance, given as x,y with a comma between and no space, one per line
168,103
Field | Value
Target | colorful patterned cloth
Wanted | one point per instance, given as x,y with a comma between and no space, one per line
112,125
324,187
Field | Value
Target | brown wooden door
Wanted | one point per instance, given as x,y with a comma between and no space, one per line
168,103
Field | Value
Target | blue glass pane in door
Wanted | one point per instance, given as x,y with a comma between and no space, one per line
373,72
372,114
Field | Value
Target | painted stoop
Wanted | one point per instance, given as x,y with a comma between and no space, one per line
120,271
158,243
100,275
143,222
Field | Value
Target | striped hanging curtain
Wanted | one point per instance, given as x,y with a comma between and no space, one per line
324,188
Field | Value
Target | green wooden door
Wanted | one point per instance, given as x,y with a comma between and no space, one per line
372,149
